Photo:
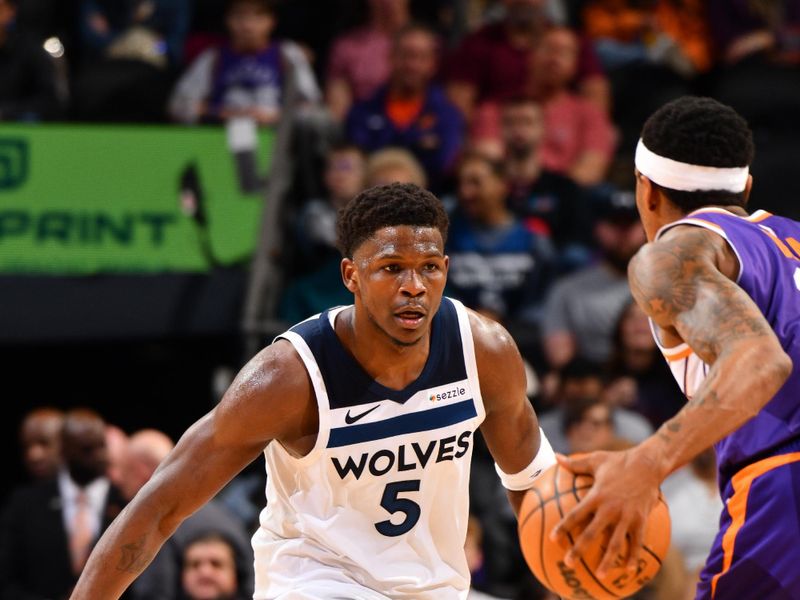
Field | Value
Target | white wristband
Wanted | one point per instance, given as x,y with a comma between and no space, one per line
525,479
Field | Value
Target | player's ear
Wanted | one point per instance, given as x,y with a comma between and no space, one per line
747,188
648,196
349,274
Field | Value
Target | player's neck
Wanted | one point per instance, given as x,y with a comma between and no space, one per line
731,208
392,364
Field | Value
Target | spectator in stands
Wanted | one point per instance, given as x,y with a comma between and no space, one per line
131,50
394,165
162,579
49,528
660,45
143,453
40,441
579,139
411,111
360,60
660,32
492,64
246,77
344,177
545,199
582,309
759,45
640,378
116,449
498,266
587,425
28,89
768,30
151,29
211,570
581,385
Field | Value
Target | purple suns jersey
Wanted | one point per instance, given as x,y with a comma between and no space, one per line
768,249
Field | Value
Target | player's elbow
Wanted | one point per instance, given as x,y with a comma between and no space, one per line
782,366
775,369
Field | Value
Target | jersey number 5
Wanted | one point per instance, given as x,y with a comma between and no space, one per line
393,504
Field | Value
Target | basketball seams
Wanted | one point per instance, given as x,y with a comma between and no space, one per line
531,512
548,489
541,537
649,550
569,535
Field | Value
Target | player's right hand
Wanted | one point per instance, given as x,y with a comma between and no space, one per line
625,490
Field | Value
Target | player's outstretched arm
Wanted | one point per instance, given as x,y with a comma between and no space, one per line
511,429
269,399
678,282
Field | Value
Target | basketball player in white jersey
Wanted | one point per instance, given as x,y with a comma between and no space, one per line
366,415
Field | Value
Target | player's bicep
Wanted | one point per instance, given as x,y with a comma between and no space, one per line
267,400
197,468
510,428
679,286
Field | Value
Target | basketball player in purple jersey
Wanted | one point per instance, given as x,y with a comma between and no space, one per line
722,289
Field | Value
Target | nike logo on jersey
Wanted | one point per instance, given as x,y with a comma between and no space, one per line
350,419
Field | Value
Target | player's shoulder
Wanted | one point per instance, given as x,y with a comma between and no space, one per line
493,343
678,245
277,368
678,253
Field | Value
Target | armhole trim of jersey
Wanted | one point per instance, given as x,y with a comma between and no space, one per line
321,394
710,227
471,364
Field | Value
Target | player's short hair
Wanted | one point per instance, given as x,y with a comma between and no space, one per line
264,6
387,206
700,131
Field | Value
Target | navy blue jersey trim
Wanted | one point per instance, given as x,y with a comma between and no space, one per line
346,382
427,420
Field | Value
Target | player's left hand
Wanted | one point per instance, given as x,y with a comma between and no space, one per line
624,491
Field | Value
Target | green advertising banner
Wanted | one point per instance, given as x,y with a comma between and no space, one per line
78,200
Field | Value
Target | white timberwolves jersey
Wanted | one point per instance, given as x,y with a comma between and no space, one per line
378,509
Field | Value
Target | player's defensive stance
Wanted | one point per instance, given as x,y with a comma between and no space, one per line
367,414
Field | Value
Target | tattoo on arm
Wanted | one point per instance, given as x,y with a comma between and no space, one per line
677,282
133,558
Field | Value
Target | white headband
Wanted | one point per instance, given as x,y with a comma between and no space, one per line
686,177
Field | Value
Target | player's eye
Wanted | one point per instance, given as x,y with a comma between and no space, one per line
431,267
393,268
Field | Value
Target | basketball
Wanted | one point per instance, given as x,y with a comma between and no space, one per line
544,505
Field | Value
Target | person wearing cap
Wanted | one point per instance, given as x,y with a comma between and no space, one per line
582,309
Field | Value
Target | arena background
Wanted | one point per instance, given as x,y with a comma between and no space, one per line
140,266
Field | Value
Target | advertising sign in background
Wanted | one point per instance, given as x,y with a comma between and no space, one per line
80,200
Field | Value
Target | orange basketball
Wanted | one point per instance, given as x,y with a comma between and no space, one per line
554,494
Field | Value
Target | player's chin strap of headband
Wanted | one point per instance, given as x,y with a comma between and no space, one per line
524,479
686,177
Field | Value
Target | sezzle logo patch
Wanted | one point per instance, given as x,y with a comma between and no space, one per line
449,393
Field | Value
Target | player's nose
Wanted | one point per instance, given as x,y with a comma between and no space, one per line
412,284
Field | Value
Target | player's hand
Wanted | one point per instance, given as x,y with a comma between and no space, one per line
624,491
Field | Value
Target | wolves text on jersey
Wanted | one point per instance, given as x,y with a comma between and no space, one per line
405,457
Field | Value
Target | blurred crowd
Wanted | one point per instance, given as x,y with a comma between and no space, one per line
522,115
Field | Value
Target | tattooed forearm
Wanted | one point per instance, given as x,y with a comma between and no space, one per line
134,557
706,399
